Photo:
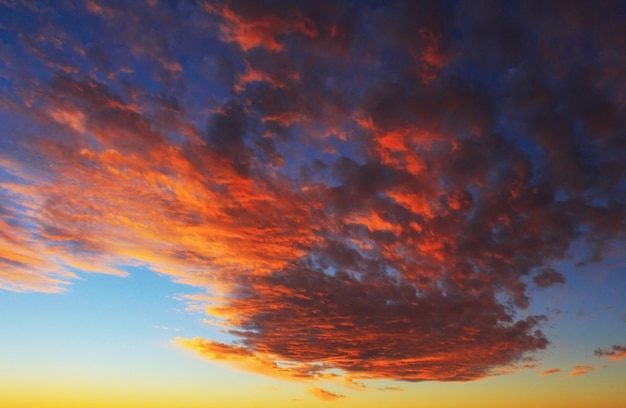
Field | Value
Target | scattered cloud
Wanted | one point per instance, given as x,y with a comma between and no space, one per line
581,370
615,352
325,395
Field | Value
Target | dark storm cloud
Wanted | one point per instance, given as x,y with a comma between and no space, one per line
368,186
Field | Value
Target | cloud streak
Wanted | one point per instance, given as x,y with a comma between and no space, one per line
359,190
550,371
581,370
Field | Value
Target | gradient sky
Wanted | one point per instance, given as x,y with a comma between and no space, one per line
312,203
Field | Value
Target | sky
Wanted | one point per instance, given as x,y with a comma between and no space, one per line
312,203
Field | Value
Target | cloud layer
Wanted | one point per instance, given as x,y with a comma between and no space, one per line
366,189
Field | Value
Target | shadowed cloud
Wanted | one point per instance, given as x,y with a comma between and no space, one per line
548,277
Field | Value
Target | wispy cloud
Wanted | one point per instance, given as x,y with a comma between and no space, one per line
580,369
550,371
397,389
325,395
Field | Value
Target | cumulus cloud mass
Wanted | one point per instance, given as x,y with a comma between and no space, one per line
364,189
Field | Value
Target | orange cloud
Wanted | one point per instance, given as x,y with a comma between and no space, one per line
28,261
325,395
258,362
550,371
153,206
256,28
581,370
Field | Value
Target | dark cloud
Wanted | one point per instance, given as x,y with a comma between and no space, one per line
548,277
226,133
221,69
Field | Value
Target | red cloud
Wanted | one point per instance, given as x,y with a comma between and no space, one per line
376,329
255,27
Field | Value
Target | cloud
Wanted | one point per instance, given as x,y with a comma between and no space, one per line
250,26
262,363
581,370
397,389
28,261
615,352
358,192
371,328
548,277
550,371
325,395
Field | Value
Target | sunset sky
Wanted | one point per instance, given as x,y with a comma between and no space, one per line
312,203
